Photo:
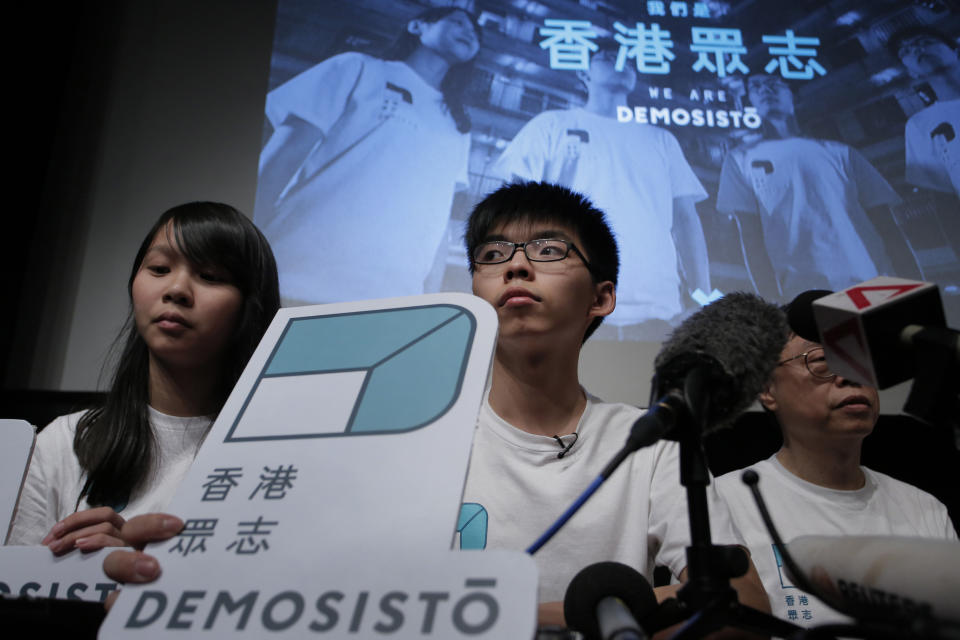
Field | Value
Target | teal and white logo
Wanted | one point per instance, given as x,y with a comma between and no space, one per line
369,372
784,580
472,526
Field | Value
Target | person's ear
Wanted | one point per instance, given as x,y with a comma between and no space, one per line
584,77
415,27
767,397
605,299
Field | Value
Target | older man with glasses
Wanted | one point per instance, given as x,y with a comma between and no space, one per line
815,484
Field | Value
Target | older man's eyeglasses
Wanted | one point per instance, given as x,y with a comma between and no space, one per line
816,362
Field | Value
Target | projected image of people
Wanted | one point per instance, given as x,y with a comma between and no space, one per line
733,148
639,176
366,153
932,135
813,213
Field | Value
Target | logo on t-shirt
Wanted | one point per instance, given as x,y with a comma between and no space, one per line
472,526
784,580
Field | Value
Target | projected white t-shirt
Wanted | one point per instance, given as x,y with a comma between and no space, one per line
632,172
811,196
365,212
932,138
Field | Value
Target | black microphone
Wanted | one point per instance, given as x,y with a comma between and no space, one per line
882,332
800,315
730,347
605,600
869,330
893,323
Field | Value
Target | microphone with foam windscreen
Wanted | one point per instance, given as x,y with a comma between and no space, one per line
607,601
729,348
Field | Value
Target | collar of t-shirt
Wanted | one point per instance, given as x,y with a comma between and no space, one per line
521,439
853,499
176,434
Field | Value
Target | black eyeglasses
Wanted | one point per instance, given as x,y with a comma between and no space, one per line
544,250
816,363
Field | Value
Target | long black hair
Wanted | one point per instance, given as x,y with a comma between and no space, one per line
115,443
455,83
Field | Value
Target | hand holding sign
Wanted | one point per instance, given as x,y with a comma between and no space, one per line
86,530
137,566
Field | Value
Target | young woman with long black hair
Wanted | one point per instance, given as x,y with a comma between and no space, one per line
203,290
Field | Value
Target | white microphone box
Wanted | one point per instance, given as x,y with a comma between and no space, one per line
860,327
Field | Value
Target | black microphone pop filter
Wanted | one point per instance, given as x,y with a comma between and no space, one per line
738,339
800,316
605,580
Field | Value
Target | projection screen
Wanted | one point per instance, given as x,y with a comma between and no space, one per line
734,145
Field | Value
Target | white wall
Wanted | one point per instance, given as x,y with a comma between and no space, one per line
182,122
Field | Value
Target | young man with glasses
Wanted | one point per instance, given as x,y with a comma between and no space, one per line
545,258
815,484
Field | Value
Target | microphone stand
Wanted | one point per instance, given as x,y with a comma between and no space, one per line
708,601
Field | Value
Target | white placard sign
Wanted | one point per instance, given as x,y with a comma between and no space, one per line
35,572
331,594
350,426
345,443
17,437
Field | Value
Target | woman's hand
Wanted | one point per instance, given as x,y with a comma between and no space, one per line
86,530
136,566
